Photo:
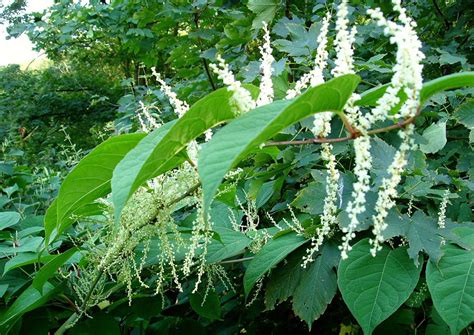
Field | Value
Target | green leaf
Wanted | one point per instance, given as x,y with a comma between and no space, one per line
209,308
375,287
310,199
23,259
236,140
30,299
430,88
100,324
447,58
435,134
451,283
231,244
284,280
422,234
465,114
265,11
452,81
269,256
8,219
88,181
157,153
318,285
50,268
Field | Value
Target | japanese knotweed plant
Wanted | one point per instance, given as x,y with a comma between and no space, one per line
167,182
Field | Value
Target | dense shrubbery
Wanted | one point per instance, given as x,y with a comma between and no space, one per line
168,227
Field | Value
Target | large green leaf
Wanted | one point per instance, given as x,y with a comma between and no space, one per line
451,283
430,88
88,181
8,219
25,258
423,235
375,287
284,280
157,153
269,256
230,243
206,306
318,285
232,143
30,299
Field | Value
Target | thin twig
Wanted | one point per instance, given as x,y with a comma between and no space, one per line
310,141
353,135
239,260
446,22
197,15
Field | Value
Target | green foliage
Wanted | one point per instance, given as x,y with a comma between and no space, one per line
8,219
270,255
30,299
240,137
206,305
155,154
451,282
94,173
264,10
262,202
318,286
375,287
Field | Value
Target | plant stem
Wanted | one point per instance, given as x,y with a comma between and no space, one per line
353,135
75,316
446,22
239,260
204,61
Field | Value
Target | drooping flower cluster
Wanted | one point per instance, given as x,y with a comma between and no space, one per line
388,189
315,76
345,39
266,85
328,218
321,128
180,107
357,205
408,69
241,100
407,77
147,121
201,237
442,210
